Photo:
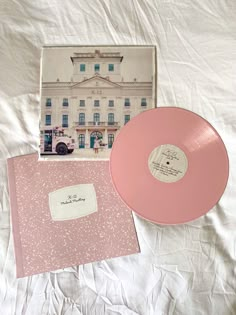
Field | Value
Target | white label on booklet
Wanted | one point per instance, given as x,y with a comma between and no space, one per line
72,202
168,163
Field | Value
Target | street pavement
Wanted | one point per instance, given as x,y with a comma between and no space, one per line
79,154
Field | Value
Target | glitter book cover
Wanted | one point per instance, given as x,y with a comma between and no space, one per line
66,214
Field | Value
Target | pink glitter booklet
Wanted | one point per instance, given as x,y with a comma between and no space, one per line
66,213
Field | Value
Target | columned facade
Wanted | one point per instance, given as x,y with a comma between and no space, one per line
97,102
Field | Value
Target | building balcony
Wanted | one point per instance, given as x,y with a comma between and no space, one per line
97,124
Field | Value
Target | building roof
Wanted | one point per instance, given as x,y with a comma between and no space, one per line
96,54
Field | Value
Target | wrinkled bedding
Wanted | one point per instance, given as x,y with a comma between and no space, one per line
184,269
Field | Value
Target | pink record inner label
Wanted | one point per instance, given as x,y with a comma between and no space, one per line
168,163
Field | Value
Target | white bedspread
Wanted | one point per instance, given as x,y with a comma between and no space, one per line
185,269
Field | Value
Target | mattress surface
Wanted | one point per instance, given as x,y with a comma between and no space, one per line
182,269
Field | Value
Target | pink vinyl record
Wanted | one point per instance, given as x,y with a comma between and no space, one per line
169,165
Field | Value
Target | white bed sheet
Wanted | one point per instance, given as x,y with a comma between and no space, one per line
185,269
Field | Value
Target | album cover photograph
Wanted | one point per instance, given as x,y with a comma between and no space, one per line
88,93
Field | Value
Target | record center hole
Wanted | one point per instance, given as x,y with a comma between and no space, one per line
167,162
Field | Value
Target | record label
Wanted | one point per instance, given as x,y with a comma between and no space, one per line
168,163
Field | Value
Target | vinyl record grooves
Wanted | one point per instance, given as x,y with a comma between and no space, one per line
169,165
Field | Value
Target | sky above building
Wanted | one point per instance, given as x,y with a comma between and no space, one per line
138,62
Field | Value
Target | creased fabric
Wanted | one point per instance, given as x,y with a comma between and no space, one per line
185,269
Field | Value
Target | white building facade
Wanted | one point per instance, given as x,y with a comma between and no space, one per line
97,102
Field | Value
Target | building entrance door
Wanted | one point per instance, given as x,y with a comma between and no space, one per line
81,141
93,136
110,140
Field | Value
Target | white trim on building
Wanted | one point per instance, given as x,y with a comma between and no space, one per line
97,102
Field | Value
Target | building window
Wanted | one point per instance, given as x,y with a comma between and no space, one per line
48,102
110,119
64,120
65,102
110,140
143,101
82,67
48,120
82,103
82,119
97,67
111,103
96,103
81,141
127,118
111,67
96,118
127,102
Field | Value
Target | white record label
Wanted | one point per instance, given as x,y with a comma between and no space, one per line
168,163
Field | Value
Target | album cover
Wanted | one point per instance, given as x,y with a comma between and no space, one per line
88,93
66,214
